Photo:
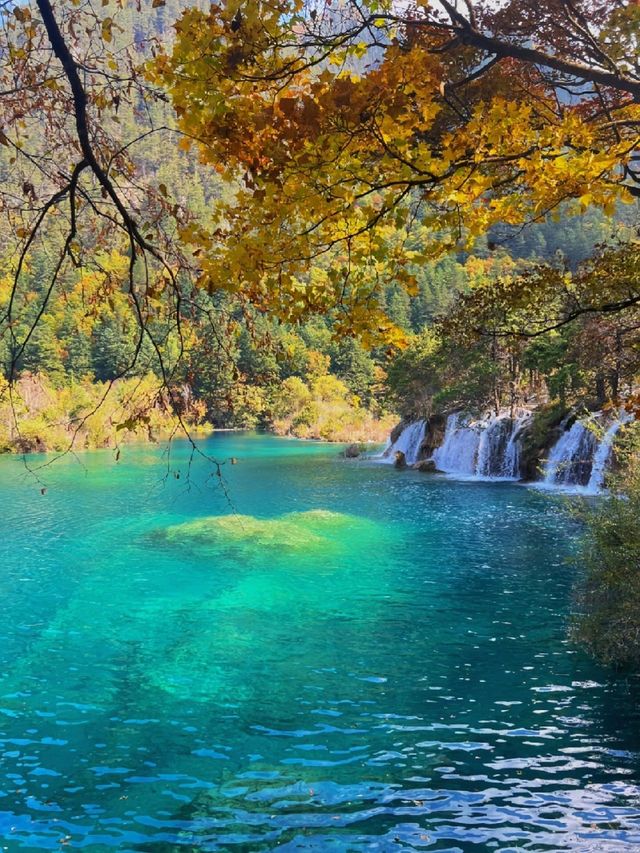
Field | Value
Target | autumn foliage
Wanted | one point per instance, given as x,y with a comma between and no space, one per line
343,127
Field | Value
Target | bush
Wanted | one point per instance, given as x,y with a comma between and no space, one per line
84,414
608,622
326,409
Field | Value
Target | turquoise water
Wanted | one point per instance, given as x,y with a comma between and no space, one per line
364,659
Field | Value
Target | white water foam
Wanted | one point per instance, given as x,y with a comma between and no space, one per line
486,449
408,442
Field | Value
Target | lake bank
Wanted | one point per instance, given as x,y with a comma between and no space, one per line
37,416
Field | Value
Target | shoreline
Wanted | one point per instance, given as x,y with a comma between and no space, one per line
198,433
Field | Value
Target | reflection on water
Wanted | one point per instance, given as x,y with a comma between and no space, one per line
361,660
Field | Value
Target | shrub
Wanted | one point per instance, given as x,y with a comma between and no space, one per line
85,414
608,622
326,410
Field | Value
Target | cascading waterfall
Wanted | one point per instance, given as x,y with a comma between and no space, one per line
570,460
458,452
603,453
499,449
512,454
408,442
488,449
579,459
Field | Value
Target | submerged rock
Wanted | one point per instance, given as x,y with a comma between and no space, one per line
263,577
352,451
427,466
400,460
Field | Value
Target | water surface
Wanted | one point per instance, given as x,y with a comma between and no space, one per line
360,659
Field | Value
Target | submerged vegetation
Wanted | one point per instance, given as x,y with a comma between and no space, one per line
314,531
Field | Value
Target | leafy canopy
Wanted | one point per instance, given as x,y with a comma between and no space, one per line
343,126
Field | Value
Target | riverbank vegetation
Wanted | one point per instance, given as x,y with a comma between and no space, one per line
608,622
37,415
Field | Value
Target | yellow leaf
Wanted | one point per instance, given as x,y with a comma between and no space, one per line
107,28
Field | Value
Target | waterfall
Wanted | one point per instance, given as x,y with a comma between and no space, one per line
459,450
579,459
499,450
570,460
603,453
408,442
513,449
488,449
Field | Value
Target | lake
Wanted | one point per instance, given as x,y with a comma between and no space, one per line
323,655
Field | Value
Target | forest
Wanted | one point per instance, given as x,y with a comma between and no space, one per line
232,361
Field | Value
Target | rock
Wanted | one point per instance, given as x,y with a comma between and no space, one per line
434,435
35,444
352,451
538,437
400,460
427,466
396,432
